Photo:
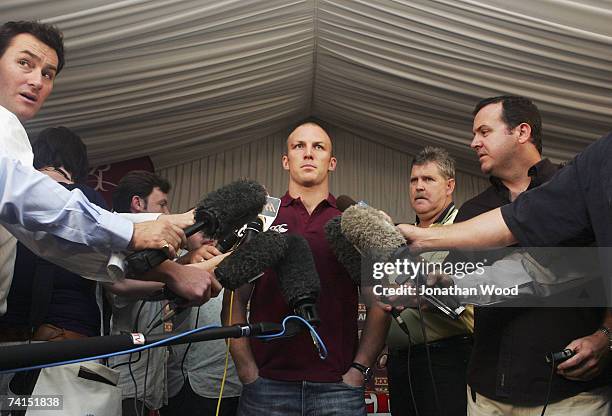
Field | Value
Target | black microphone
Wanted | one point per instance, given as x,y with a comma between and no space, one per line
46,353
370,231
251,259
344,201
219,213
298,279
343,249
241,235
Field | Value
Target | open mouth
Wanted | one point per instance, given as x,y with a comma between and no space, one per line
29,97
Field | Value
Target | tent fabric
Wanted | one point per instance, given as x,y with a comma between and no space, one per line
180,79
366,170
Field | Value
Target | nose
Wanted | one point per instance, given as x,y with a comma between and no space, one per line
420,185
308,152
476,143
35,80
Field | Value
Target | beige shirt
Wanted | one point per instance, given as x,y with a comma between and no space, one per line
437,325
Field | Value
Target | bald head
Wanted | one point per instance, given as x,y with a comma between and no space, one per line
309,155
309,129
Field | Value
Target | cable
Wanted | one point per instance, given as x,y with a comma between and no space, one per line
144,393
227,350
322,354
162,342
187,349
433,380
130,362
396,314
135,329
113,354
550,380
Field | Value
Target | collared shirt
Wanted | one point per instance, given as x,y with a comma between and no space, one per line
127,316
295,358
205,361
438,326
507,361
59,225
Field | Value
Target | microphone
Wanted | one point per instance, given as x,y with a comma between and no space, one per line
344,201
298,279
251,229
370,231
47,353
250,259
345,252
220,212
243,234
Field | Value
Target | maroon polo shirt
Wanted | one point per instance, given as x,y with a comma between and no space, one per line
296,358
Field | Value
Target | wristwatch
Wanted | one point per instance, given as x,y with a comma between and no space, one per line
366,371
608,333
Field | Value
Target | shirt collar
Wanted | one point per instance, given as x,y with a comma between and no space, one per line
539,173
440,218
287,200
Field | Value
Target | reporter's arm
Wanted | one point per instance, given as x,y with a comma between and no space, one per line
240,348
486,230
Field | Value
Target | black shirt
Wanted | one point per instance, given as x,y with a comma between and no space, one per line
507,362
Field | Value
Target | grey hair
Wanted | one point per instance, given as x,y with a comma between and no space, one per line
446,164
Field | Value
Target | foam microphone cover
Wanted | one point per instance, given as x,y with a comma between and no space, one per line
297,275
345,252
250,259
230,207
368,229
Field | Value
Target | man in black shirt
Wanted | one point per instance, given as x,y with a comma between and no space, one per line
507,369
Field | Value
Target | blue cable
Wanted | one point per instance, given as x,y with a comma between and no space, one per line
323,349
112,354
321,344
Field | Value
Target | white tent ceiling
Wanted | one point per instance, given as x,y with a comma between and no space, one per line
176,79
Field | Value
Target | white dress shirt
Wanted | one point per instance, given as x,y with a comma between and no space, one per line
62,226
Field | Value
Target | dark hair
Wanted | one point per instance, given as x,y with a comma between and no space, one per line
517,110
60,146
46,33
137,182
439,156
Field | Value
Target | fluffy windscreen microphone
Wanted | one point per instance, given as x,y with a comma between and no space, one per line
250,259
298,279
344,201
369,230
380,241
345,252
229,207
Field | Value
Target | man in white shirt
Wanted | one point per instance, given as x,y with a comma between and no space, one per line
32,205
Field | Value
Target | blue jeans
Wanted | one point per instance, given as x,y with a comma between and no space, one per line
300,398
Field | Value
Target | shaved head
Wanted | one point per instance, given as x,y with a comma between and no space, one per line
309,126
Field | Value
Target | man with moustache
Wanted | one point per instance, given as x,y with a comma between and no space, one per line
432,182
287,377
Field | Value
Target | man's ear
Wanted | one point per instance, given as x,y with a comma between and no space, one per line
524,133
137,204
450,186
285,161
332,164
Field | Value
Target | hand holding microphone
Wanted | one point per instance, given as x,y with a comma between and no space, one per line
369,230
221,212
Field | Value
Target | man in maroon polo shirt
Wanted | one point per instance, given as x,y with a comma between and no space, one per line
287,377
